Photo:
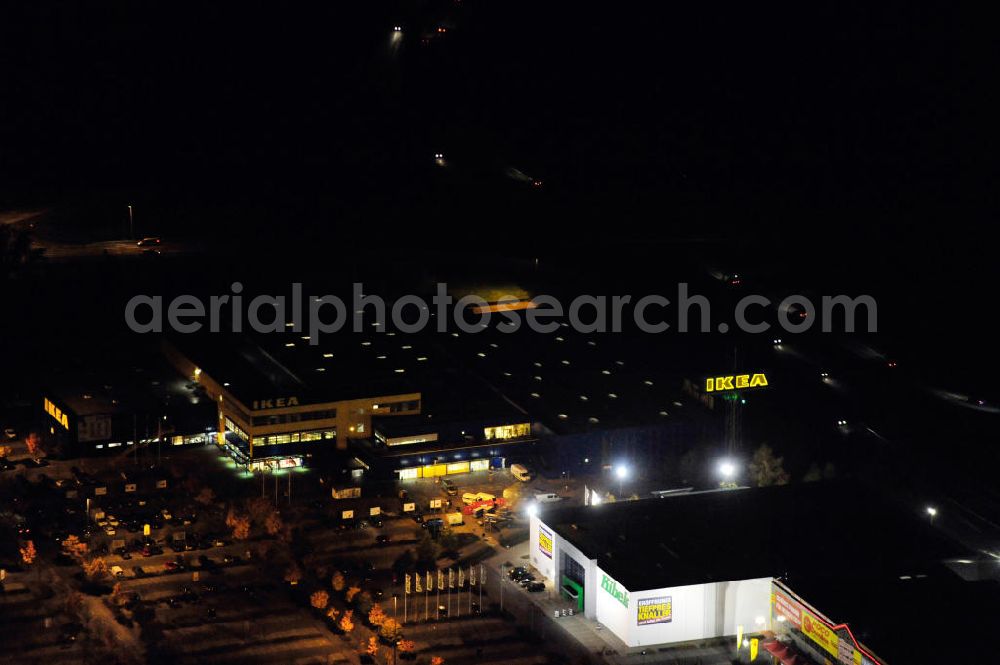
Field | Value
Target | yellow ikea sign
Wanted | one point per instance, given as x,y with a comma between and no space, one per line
56,413
734,382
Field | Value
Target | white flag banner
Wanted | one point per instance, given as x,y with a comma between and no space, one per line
451,578
430,581
406,586
472,576
482,574
416,578
461,577
440,580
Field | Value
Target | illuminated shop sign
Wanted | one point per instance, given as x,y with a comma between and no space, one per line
545,541
278,403
654,610
611,587
56,413
735,382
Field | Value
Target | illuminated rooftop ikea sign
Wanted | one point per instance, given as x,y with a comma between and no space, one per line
57,413
716,384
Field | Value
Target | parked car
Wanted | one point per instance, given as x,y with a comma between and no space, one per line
535,587
517,573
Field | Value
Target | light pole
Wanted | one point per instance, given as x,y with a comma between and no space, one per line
621,471
727,470
131,229
502,578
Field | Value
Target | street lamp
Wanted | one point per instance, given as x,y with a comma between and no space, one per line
532,509
727,469
621,471
932,511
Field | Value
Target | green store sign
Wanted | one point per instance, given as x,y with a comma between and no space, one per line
611,587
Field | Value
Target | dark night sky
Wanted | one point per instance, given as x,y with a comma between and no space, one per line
859,136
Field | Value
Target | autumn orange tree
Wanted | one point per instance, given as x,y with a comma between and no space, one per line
406,646
274,524
319,599
75,548
376,616
338,581
351,593
28,553
95,569
372,647
332,613
437,660
346,624
239,523
34,444
390,629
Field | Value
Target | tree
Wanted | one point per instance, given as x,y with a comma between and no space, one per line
437,660
376,616
74,548
205,497
319,599
332,613
406,646
372,648
239,523
448,539
5,451
118,597
390,629
346,624
766,469
95,569
260,509
427,549
274,524
403,563
338,581
28,553
351,593
293,574
34,444
363,602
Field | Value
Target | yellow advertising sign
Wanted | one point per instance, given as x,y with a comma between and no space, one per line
735,382
753,649
545,541
820,633
56,413
654,610
739,637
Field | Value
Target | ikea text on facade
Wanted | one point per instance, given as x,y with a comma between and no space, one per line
56,413
735,382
